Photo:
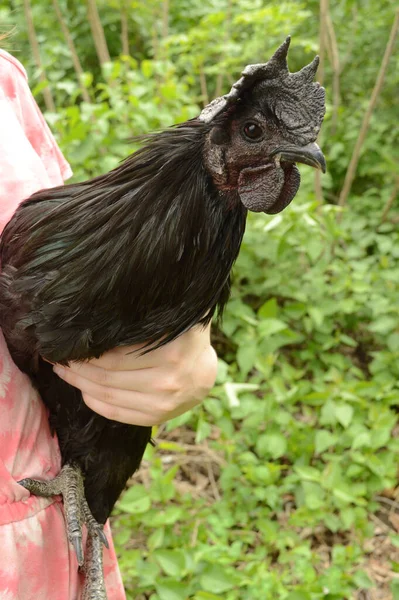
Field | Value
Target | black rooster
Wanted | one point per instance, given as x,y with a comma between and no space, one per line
140,255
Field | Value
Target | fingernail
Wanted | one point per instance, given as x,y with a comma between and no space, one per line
59,370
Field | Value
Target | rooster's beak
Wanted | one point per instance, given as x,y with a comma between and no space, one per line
309,155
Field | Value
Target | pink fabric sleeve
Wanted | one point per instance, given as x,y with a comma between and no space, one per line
37,561
29,156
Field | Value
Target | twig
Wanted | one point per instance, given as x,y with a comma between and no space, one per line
203,84
194,534
165,19
318,190
124,29
212,481
380,523
386,500
47,95
97,32
350,174
72,49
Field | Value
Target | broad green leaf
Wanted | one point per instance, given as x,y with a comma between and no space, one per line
324,439
172,562
344,414
216,579
171,590
246,356
308,473
206,596
271,444
269,309
135,500
271,326
156,539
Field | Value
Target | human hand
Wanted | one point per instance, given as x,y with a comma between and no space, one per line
150,389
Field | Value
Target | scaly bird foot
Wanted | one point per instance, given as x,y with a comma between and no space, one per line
94,587
69,484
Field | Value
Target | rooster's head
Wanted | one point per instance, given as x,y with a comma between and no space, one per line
258,131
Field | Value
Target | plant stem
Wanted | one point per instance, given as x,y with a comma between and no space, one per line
72,49
47,95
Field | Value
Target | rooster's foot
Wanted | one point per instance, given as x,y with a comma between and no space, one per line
94,587
69,484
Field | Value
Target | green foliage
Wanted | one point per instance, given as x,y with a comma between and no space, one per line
303,419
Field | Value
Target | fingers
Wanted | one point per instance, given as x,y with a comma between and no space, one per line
122,415
81,374
151,389
126,358
154,412
84,378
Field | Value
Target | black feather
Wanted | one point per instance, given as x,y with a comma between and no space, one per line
136,256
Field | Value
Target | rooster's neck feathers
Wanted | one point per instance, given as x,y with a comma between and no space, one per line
139,254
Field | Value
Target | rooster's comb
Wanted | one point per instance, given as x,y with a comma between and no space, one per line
282,91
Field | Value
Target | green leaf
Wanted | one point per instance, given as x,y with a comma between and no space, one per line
147,69
384,324
344,494
298,595
395,589
363,440
246,356
206,596
273,223
314,495
269,309
317,315
135,500
308,473
324,439
344,414
216,579
171,590
271,444
172,562
156,539
269,327
362,580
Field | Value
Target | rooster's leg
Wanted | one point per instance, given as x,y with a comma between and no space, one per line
69,484
94,588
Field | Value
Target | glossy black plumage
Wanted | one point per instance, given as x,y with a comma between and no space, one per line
143,253
138,255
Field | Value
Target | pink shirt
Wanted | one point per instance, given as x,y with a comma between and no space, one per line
37,561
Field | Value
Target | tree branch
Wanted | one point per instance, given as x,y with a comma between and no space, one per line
124,29
72,50
318,190
97,32
47,95
203,84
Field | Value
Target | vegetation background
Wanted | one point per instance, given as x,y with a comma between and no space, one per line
284,484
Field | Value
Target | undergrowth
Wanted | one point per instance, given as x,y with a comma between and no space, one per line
276,486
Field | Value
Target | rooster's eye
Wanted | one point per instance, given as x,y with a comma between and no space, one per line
252,131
